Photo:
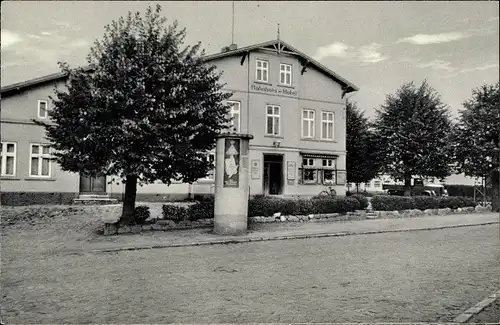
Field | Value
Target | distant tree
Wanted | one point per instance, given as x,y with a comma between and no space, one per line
413,127
362,152
476,138
149,111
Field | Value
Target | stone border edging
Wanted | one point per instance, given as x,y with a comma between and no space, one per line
272,238
466,315
167,225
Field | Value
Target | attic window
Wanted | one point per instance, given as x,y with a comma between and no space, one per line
43,107
262,70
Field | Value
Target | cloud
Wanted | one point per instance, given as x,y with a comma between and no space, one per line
474,69
336,49
493,18
424,39
66,25
365,54
9,38
370,53
437,65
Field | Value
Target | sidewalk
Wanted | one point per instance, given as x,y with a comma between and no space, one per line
281,231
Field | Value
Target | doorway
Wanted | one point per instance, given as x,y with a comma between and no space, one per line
273,174
92,185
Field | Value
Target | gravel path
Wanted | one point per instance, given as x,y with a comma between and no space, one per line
396,277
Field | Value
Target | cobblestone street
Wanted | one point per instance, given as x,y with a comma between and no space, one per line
422,276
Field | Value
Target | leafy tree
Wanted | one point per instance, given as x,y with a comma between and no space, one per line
149,111
413,127
476,137
362,153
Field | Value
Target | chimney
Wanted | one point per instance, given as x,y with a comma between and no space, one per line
225,49
233,47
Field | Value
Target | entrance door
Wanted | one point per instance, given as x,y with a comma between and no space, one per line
273,174
95,185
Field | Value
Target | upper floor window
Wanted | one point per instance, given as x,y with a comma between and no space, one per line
308,123
39,160
329,163
326,125
8,159
286,74
235,114
273,120
43,108
377,184
262,70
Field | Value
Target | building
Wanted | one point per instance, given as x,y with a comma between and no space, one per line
292,105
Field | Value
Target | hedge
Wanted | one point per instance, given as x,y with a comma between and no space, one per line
204,209
398,203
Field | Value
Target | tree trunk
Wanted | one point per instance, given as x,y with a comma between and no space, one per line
495,191
357,188
407,186
129,200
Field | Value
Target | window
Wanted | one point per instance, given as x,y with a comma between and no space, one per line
235,115
273,120
307,162
328,176
328,163
367,185
286,74
43,108
8,159
377,184
211,159
327,125
262,71
40,160
308,123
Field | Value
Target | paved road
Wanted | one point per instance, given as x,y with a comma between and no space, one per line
423,276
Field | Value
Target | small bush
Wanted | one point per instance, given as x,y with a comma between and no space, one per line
363,201
392,203
141,213
204,209
175,213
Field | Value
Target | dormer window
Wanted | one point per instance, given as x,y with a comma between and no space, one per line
262,70
43,108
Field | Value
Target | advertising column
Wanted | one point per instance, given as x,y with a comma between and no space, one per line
231,184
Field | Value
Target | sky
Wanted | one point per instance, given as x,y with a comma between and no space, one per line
378,46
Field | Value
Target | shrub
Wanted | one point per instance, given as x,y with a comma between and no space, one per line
363,201
175,213
392,203
425,202
204,209
141,213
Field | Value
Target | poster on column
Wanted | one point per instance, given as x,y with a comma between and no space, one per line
231,163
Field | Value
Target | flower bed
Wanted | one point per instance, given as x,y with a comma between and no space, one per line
267,210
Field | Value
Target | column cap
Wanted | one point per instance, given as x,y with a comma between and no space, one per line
234,135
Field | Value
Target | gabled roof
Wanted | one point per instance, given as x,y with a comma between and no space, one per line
282,47
275,45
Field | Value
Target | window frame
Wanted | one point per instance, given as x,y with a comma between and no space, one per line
40,101
310,122
332,122
262,69
284,72
41,156
212,171
232,112
4,155
273,116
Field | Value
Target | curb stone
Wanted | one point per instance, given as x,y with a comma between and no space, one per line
476,309
304,236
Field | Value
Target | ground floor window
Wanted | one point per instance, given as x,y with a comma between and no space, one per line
319,171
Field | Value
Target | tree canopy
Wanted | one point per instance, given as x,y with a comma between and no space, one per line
413,128
148,111
361,149
476,137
